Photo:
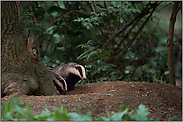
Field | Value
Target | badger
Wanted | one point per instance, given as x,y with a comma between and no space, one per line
71,73
58,81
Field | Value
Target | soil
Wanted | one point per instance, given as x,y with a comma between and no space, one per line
163,100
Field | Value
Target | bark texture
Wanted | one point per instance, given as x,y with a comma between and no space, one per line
18,73
170,44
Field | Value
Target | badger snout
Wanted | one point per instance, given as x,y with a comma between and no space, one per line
83,78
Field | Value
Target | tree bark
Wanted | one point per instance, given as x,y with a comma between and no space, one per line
18,73
170,44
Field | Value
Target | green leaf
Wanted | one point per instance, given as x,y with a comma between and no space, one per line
38,32
60,114
62,5
4,110
110,7
176,118
28,28
142,113
122,108
38,24
87,26
83,55
63,109
38,28
102,119
166,72
118,116
108,114
43,116
77,117
96,23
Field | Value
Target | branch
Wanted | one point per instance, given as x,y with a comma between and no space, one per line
145,12
93,7
140,29
108,22
103,8
120,31
35,20
57,19
142,26
170,44
164,7
62,41
47,12
137,20
18,4
29,44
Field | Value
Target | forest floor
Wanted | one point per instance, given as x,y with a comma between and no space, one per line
163,100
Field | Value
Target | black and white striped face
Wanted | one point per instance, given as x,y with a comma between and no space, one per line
71,74
61,83
78,70
76,73
82,71
58,81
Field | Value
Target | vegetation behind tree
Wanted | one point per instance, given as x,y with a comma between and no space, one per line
116,40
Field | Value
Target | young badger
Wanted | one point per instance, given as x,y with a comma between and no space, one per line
58,81
72,73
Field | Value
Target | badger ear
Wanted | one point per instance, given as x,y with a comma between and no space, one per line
77,66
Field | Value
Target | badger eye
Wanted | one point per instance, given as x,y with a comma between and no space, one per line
77,67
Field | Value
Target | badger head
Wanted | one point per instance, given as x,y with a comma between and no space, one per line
72,72
78,70
58,81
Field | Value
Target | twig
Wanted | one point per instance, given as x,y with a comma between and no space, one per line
164,7
157,24
62,41
140,29
73,5
122,30
47,13
93,7
57,19
35,20
108,22
49,41
102,8
137,20
18,4
158,110
29,44
28,33
103,34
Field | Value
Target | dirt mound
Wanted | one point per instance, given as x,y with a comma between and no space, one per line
163,100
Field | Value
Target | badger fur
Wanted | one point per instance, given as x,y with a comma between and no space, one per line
58,81
72,73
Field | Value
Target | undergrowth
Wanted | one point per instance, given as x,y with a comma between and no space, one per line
14,110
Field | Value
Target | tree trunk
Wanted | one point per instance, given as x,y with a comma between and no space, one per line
170,44
18,73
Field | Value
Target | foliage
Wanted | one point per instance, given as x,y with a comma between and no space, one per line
97,58
14,111
117,40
